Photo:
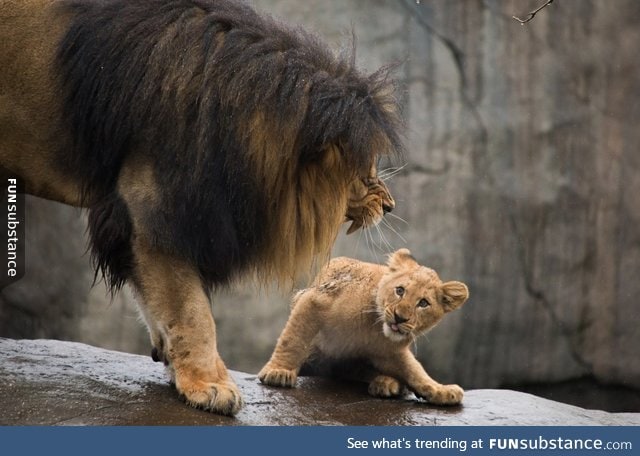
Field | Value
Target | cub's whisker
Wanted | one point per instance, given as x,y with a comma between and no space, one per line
370,311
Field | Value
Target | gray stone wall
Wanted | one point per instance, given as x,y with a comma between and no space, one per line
522,176
522,180
56,299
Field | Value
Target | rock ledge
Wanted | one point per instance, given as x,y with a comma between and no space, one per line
46,382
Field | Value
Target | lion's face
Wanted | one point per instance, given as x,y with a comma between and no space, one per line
369,200
412,299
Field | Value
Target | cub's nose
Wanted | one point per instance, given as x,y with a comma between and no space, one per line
398,318
387,207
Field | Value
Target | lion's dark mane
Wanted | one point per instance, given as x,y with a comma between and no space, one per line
177,83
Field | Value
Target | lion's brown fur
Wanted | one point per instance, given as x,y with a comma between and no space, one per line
197,133
270,126
29,99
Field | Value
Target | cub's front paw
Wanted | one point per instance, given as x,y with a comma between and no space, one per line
441,394
221,397
278,376
385,386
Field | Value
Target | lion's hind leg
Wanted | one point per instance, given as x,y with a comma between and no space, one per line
295,343
177,311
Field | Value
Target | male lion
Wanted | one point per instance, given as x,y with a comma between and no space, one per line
206,142
372,313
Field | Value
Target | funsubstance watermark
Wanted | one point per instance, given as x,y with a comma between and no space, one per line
13,229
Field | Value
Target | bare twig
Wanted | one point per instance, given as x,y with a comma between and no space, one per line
532,14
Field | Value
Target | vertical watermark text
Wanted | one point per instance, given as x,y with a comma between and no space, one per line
12,208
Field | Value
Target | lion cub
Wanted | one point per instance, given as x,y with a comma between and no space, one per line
356,310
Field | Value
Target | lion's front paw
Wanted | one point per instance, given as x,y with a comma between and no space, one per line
441,394
223,397
385,386
278,376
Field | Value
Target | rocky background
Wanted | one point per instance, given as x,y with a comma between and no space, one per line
522,180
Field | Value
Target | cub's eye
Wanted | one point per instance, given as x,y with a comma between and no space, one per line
423,303
400,291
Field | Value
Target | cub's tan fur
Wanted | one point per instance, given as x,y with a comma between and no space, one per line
373,312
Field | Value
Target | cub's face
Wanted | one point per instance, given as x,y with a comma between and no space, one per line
369,200
412,299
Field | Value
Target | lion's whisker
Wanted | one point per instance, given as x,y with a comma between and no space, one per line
371,244
376,239
386,177
376,245
397,217
384,239
358,240
392,228
388,173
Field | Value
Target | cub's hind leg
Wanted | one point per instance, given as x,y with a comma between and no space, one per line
408,369
181,324
379,385
387,387
295,343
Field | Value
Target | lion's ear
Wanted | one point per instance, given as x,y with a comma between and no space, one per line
401,259
454,294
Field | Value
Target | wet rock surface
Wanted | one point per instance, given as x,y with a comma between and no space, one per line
45,382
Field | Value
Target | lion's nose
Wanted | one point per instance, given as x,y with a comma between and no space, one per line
386,208
398,318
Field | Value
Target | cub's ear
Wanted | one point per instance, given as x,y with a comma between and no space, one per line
454,294
401,259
